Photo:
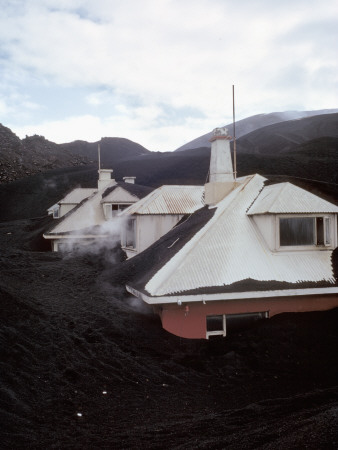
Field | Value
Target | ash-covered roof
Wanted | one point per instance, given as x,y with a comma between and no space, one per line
136,190
226,252
169,200
286,198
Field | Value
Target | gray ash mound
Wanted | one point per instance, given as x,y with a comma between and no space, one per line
84,366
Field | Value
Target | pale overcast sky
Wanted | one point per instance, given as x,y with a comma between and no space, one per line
160,72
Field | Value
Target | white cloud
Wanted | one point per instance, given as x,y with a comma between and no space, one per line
139,58
136,125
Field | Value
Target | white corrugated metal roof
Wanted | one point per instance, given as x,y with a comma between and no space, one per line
229,249
169,200
77,195
286,198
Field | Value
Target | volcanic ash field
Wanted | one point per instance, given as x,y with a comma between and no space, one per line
84,366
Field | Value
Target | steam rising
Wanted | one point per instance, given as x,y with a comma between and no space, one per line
99,242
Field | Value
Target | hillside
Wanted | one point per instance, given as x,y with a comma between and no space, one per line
35,154
253,123
286,136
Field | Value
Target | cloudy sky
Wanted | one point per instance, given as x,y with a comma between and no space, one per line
160,72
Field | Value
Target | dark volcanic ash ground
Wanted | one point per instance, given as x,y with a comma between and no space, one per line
84,366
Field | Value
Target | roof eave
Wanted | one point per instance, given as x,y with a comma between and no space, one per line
228,295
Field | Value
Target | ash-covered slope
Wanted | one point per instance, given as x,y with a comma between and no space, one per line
253,123
35,154
286,136
84,366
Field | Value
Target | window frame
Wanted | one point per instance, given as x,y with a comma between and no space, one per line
222,332
133,221
327,227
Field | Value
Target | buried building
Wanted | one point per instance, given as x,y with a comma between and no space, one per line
253,251
134,215
86,216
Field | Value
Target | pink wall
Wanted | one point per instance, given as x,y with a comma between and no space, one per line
189,320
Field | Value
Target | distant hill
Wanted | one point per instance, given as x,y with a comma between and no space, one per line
253,123
285,136
113,149
35,154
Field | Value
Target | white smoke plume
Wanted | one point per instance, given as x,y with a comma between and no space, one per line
99,242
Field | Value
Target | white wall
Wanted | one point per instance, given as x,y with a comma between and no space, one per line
266,227
151,227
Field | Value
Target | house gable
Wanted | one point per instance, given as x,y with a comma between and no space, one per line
119,195
290,218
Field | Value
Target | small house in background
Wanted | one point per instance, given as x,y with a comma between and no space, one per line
253,251
150,218
85,215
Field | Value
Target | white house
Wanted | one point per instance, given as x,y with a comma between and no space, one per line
156,214
253,251
85,215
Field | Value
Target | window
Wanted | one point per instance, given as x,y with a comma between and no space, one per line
129,234
117,208
223,324
56,212
308,231
216,325
244,321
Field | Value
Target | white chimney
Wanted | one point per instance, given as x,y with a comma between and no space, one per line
104,178
221,178
129,180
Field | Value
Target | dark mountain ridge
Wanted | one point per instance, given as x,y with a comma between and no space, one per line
249,124
286,136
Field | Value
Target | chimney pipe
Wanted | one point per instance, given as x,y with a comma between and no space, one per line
221,179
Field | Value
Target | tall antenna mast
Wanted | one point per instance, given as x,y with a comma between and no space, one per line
99,155
234,130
